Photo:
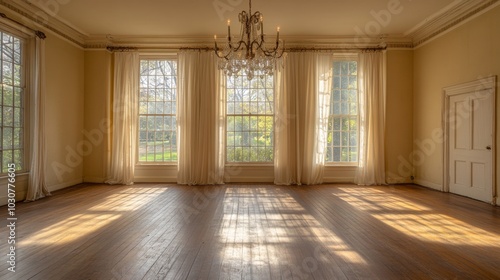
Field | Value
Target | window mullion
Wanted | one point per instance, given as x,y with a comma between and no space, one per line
157,137
248,139
340,123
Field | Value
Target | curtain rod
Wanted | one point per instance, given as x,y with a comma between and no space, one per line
301,49
38,33
121,49
381,48
335,49
197,49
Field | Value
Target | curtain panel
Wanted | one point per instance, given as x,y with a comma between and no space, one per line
200,119
125,118
371,168
37,187
301,118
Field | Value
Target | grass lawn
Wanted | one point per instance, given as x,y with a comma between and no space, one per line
166,156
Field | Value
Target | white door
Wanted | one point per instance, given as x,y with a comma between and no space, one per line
470,133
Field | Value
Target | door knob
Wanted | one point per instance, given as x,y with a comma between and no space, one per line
488,147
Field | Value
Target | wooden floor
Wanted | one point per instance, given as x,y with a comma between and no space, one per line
151,231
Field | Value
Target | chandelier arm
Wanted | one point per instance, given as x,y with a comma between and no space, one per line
239,45
275,52
226,57
243,17
231,49
260,45
271,52
255,18
282,50
218,55
239,56
217,52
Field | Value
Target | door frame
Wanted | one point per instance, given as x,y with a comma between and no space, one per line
488,83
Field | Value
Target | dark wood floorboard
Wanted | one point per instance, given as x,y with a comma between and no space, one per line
162,231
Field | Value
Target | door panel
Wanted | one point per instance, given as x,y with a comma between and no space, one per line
470,133
478,175
461,173
481,123
461,126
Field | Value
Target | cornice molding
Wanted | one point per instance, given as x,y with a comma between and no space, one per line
453,15
31,15
172,42
464,10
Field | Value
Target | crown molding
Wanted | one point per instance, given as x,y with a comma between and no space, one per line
33,16
454,14
176,42
149,42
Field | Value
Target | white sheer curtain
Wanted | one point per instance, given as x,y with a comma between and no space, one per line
200,119
371,71
125,118
302,106
36,187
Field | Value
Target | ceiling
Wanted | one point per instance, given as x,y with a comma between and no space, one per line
208,17
173,24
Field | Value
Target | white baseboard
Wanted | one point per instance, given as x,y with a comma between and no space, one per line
61,186
428,184
398,180
165,179
237,179
95,180
20,196
21,186
338,180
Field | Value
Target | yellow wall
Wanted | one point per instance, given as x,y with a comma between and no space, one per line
79,84
64,112
399,116
467,53
97,92
398,137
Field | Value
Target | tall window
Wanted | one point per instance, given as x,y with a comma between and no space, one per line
11,102
157,109
250,119
343,118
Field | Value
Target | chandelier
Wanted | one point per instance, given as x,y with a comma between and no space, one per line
249,55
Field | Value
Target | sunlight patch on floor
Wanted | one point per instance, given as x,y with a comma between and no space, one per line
129,199
416,220
252,235
95,217
70,229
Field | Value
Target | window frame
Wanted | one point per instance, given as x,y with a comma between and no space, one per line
27,88
273,137
346,57
144,56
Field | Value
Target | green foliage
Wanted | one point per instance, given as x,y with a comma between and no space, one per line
11,103
250,119
342,136
157,111
157,151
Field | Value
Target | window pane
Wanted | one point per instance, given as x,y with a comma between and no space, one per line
342,142
336,154
353,154
11,102
329,154
249,119
157,109
336,139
